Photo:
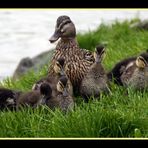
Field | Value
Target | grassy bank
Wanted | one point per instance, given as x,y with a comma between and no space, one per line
117,115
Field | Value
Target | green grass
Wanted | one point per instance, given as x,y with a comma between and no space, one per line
116,115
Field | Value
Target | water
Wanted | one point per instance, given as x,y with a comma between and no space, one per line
25,33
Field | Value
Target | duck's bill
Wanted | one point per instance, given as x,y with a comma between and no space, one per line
54,37
65,93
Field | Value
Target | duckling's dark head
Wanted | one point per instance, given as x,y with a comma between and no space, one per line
64,29
62,85
99,53
59,66
63,80
45,89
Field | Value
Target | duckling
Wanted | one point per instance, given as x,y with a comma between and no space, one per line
95,81
118,69
8,98
34,98
47,91
136,75
63,99
59,69
77,60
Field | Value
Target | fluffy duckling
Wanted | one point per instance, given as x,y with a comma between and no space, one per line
59,69
118,69
77,60
34,98
46,90
95,81
63,99
136,74
8,98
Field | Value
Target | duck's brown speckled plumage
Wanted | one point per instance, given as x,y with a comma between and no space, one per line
78,61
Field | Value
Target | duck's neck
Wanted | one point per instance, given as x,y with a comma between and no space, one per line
67,43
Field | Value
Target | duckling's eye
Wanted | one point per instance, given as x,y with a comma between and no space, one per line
58,64
62,30
87,54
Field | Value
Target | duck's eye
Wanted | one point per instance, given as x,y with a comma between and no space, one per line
88,54
62,30
58,64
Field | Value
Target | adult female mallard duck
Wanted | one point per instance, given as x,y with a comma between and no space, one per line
77,61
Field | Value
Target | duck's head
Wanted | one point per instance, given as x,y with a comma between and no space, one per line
99,53
45,89
59,66
142,64
64,29
62,86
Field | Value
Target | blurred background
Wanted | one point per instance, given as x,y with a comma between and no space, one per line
25,33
